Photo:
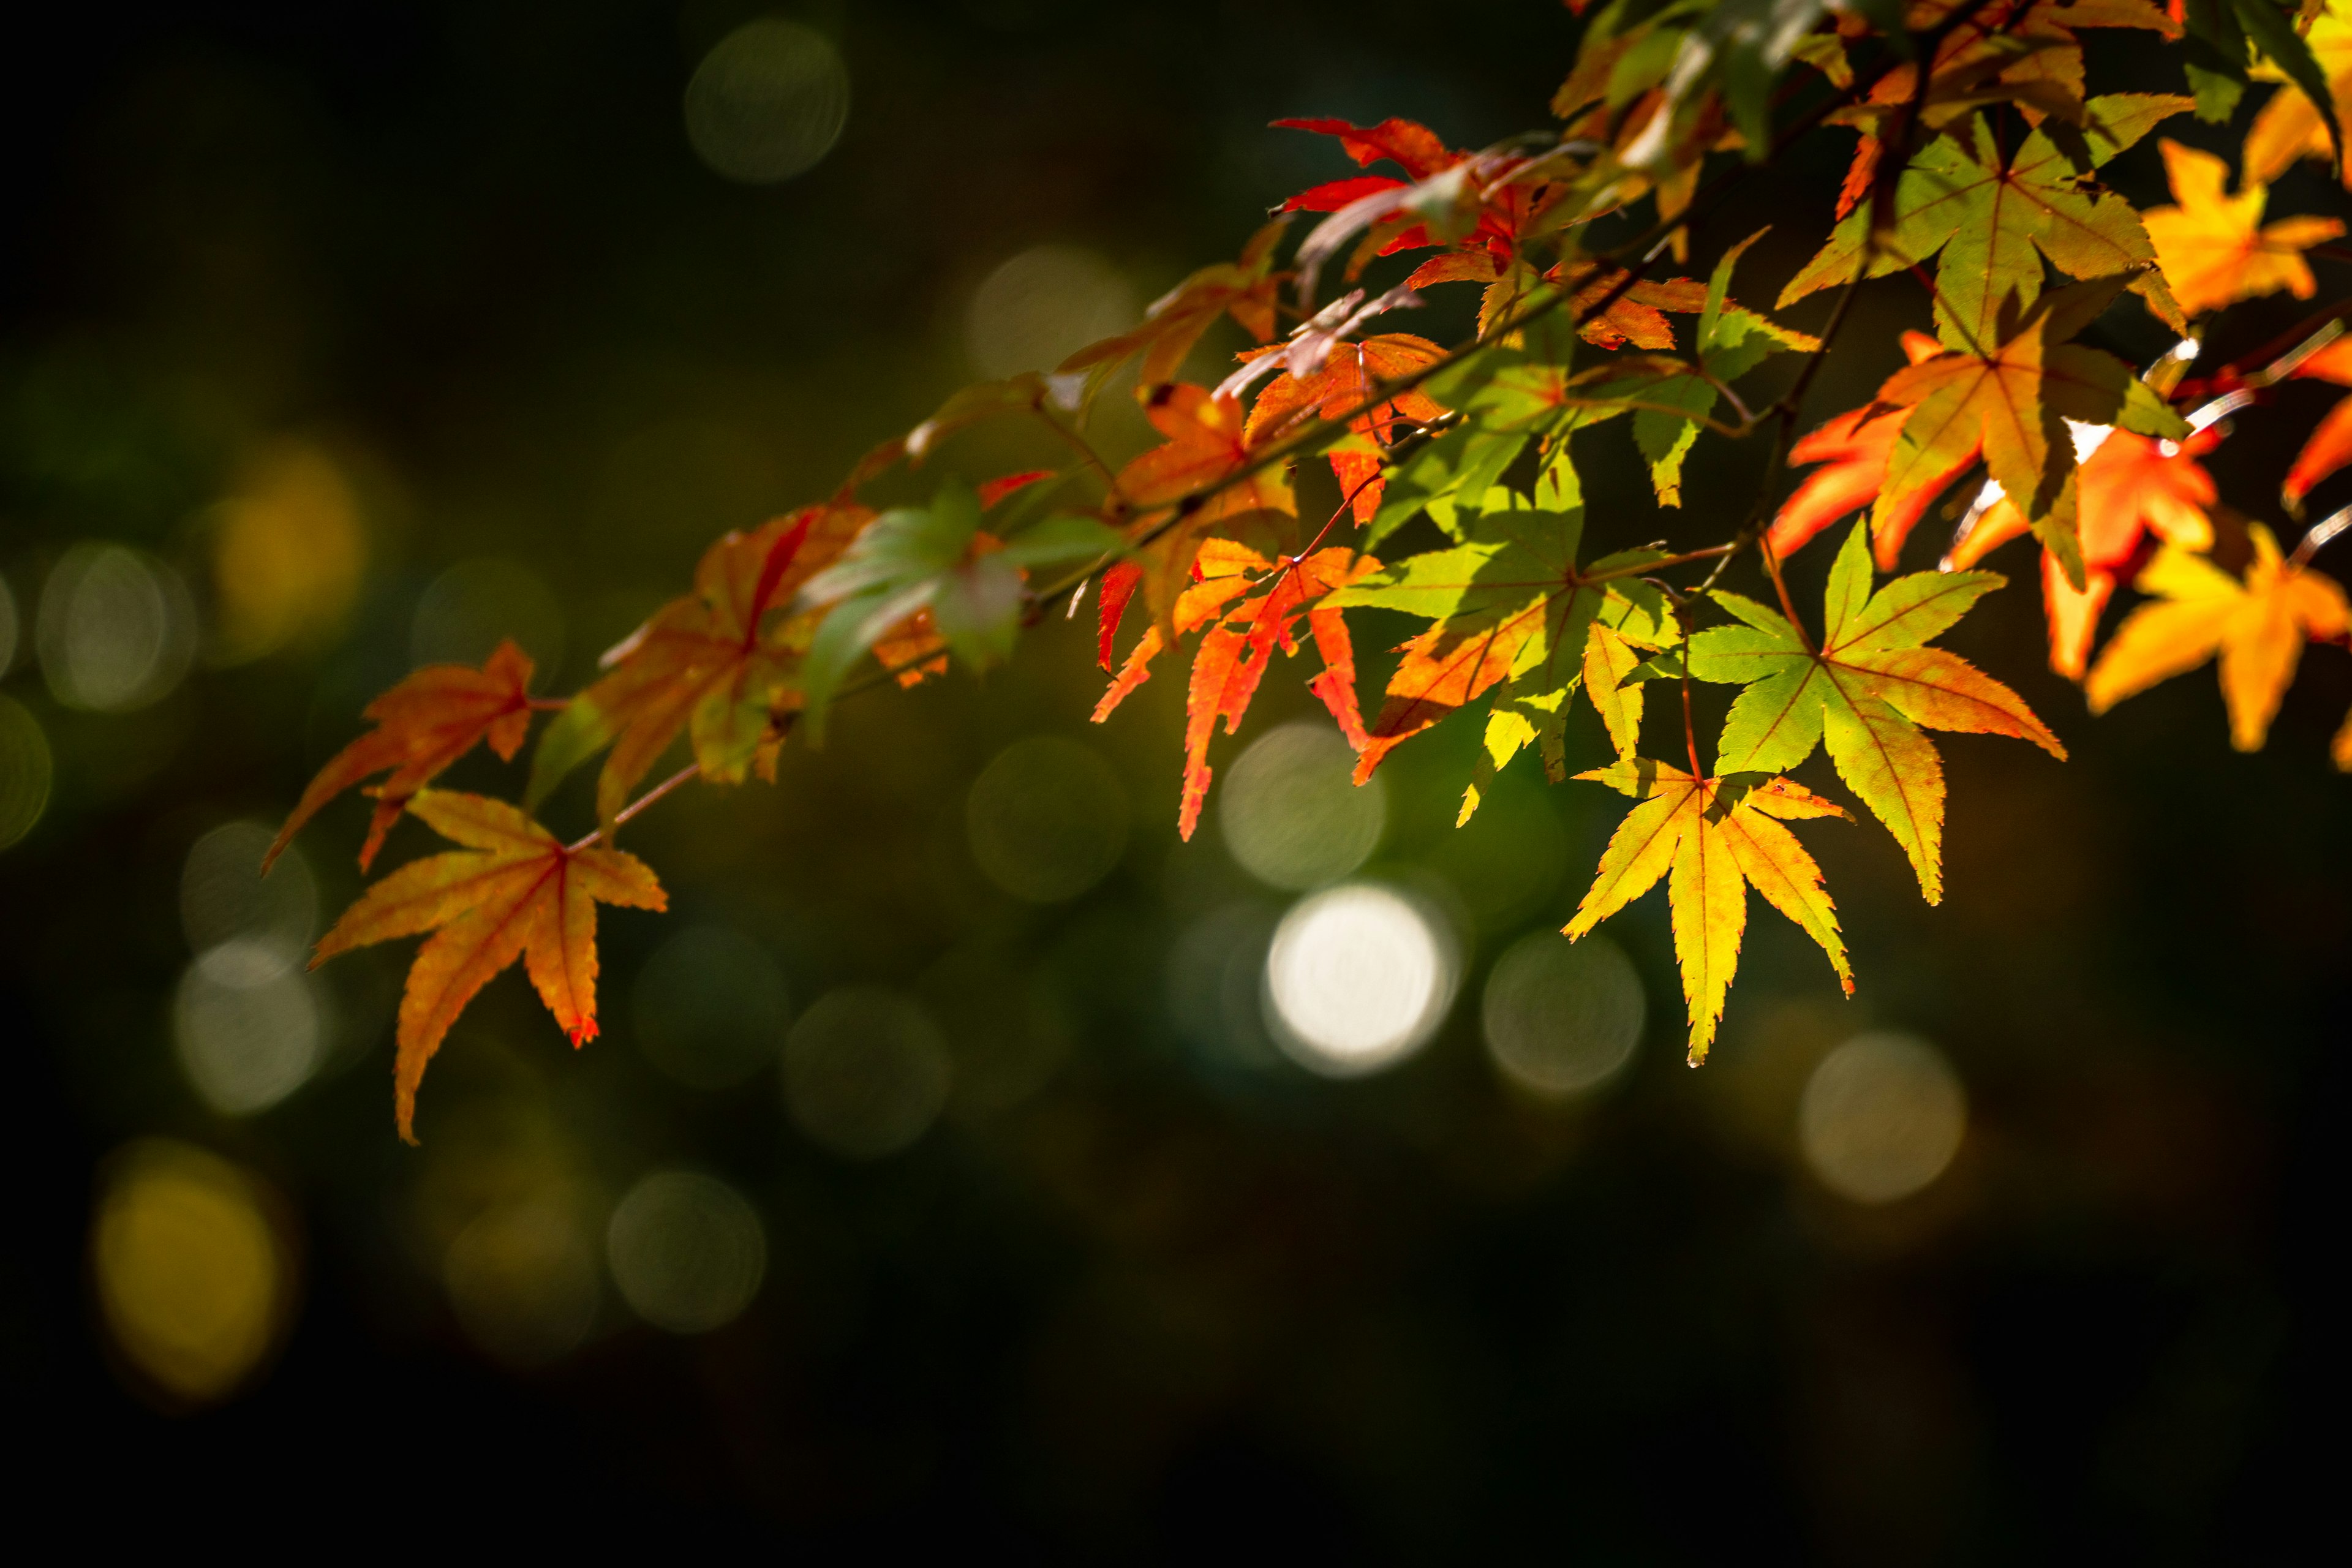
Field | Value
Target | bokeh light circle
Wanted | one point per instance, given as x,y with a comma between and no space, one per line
711,1007
289,554
1047,819
116,630
223,897
1562,1017
1881,1118
522,1280
1357,978
194,1282
1291,815
687,1250
248,1028
468,609
27,772
866,1072
1038,308
767,102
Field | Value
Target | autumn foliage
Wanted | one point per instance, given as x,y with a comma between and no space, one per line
1980,173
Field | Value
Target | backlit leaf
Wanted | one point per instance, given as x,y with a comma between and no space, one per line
1864,691
707,662
422,725
2257,626
515,891
2130,487
1512,604
2009,407
1711,838
2216,249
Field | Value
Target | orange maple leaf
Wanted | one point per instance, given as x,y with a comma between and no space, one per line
424,724
2329,446
1240,641
2013,406
1635,315
2213,248
1208,437
518,891
707,659
1341,386
2258,627
1853,448
2131,486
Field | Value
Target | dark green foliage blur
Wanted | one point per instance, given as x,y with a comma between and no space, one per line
1148,1290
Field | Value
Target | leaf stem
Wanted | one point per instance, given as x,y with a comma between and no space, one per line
636,806
1780,587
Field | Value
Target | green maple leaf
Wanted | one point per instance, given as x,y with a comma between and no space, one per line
1732,341
1865,691
1990,215
1509,612
914,559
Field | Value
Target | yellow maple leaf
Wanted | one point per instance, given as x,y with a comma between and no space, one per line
2258,627
2214,248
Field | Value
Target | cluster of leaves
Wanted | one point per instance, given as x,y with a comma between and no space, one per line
1979,152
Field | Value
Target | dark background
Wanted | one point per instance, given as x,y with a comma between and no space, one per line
1160,1307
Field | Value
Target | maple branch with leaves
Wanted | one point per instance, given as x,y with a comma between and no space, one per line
1981,171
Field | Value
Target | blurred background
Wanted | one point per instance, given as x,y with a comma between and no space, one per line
964,1159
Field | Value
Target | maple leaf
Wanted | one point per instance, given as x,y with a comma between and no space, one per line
1712,839
1347,380
2215,249
2011,406
1865,691
2222,34
1208,440
422,725
2258,627
1245,626
1510,605
516,891
1995,218
1853,449
1471,200
1637,315
2131,486
702,663
2026,55
1731,340
2329,446
936,561
1208,437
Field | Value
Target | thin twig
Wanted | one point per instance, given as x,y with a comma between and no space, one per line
636,806
1780,587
